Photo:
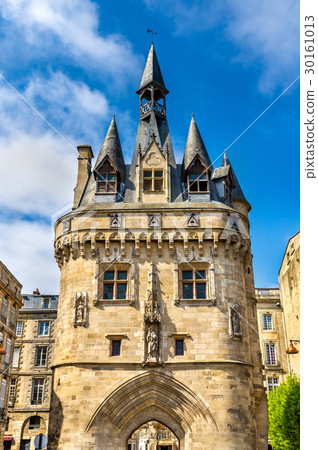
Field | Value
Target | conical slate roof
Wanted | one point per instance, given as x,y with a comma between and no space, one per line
112,148
152,72
194,146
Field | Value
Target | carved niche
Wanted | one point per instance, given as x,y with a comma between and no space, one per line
235,326
80,309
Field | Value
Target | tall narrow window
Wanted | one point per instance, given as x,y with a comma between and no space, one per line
19,329
8,352
115,284
153,180
37,391
267,322
12,317
273,383
44,328
15,362
40,356
116,344
2,392
227,189
12,392
270,354
194,284
4,309
46,303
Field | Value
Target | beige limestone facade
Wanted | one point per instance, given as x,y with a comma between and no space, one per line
30,389
271,325
157,308
10,302
289,284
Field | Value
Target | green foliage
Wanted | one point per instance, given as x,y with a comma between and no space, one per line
284,415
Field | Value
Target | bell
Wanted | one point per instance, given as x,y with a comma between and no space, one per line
291,349
2,350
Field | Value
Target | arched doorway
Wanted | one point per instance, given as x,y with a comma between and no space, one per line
153,435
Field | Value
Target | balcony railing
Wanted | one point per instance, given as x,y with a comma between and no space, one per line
155,107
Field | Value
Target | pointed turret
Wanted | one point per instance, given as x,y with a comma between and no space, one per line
153,127
111,148
152,72
195,146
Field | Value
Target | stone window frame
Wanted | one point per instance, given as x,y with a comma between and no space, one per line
104,171
116,281
37,349
268,353
115,338
153,179
197,265
12,391
266,314
49,329
125,265
39,398
196,170
273,385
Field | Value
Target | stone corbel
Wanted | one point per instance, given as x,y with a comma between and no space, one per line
171,246
82,249
215,243
186,247
227,246
123,246
148,245
236,249
137,246
93,247
176,298
159,246
200,242
107,247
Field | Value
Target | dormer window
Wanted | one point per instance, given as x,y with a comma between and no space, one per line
198,178
153,180
106,180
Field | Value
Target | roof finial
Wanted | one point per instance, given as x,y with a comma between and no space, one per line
152,33
193,115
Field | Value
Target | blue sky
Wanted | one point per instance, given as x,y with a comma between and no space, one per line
79,62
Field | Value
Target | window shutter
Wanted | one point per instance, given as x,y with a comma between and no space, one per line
2,393
8,351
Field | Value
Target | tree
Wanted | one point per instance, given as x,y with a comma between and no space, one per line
284,415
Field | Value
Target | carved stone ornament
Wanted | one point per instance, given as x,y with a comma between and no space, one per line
66,225
80,309
192,220
152,307
154,220
235,328
116,220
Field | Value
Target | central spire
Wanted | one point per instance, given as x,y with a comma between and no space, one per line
152,91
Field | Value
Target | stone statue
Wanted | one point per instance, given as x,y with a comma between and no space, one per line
235,322
152,343
80,309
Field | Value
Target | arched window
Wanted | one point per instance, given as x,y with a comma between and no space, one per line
198,178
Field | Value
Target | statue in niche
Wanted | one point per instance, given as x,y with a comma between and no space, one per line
235,322
152,343
80,309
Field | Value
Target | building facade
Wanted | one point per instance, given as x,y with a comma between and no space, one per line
289,285
157,303
271,326
10,302
30,388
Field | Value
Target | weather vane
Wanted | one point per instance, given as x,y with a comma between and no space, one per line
152,33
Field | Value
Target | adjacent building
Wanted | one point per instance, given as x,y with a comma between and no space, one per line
10,302
271,326
30,384
157,308
289,285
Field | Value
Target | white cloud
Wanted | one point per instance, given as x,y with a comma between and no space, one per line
69,28
27,249
38,169
265,33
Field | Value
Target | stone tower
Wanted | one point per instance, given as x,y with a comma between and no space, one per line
157,310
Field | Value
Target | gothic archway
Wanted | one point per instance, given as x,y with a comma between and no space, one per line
153,435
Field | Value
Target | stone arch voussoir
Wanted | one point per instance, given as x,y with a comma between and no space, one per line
146,393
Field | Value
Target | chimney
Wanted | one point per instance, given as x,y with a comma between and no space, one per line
85,156
36,292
